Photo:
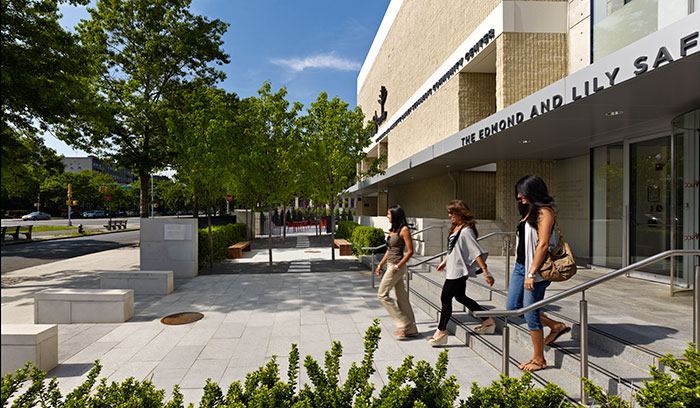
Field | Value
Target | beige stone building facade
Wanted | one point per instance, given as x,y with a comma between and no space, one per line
469,96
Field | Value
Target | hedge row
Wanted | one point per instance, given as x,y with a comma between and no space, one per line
223,237
410,385
365,237
345,228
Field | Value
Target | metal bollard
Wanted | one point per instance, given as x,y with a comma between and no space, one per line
505,364
584,344
372,271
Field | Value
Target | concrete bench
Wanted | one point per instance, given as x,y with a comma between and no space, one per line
236,251
83,306
22,343
344,246
142,282
14,235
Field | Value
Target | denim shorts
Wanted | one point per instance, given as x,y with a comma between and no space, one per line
519,297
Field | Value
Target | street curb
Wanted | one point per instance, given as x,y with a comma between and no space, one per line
75,236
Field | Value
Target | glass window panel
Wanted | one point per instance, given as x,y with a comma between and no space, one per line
606,217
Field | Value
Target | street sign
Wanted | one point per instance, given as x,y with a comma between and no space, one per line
125,187
69,202
75,202
229,197
108,198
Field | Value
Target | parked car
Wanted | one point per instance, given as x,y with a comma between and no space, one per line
94,214
36,215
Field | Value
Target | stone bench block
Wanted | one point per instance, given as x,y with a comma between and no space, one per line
83,306
22,343
142,282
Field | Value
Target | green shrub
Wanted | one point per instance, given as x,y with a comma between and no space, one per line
663,390
513,392
366,237
345,229
223,237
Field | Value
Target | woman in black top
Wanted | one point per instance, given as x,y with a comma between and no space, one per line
399,238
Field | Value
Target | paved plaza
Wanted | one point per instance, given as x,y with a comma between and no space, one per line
252,311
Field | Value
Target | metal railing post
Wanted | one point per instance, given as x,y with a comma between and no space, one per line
372,272
507,262
442,239
583,309
696,307
505,364
408,279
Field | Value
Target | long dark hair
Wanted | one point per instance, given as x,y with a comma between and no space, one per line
464,215
535,191
398,218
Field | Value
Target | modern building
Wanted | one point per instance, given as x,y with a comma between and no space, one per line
601,98
78,164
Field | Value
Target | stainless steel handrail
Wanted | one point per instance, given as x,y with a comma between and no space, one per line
374,249
583,307
492,234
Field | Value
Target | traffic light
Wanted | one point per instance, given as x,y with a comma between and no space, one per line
70,190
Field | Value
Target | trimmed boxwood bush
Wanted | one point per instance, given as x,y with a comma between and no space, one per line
223,237
345,229
366,237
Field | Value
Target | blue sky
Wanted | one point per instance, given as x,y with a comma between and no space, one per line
307,46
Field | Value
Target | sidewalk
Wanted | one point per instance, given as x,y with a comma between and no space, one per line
250,312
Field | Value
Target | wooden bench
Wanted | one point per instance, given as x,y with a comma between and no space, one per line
22,343
115,224
28,232
83,306
345,247
236,250
142,282
14,235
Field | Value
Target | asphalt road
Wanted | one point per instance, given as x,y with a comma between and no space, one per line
20,256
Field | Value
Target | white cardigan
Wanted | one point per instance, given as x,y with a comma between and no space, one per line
530,246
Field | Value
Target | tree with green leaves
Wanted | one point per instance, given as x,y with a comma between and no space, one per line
44,74
145,51
270,157
334,140
204,130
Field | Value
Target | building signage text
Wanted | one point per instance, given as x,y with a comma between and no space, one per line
455,68
641,64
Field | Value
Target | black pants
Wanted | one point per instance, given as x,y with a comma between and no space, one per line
455,289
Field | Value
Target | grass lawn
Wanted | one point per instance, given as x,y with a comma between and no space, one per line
49,228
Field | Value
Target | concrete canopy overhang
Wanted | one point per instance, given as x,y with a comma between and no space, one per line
648,102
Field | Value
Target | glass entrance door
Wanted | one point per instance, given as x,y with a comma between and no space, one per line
650,211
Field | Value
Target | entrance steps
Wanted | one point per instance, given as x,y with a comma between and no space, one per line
619,360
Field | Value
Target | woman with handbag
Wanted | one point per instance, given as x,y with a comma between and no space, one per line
465,258
399,238
534,239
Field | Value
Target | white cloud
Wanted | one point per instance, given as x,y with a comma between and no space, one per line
327,61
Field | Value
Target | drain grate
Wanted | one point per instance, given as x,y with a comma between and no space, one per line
181,318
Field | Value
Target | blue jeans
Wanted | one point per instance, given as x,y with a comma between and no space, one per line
519,297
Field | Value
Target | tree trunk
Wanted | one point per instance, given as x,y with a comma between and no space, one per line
332,230
195,206
269,240
145,193
211,238
284,223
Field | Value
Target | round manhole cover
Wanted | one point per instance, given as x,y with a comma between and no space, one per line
181,318
312,252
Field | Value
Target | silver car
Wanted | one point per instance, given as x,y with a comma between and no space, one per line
36,215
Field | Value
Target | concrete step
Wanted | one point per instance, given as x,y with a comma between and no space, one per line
617,366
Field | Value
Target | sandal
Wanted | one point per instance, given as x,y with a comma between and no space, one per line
532,365
555,335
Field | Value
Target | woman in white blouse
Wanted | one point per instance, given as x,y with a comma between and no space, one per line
465,258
